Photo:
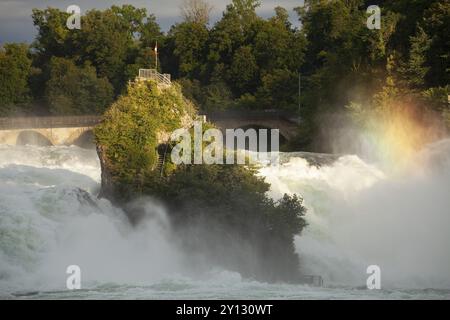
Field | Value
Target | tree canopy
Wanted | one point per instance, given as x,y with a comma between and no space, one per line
242,60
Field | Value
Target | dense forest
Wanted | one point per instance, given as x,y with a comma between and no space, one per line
241,61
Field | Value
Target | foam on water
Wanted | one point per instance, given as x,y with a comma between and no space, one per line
361,216
50,218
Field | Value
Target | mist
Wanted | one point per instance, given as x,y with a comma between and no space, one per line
358,213
362,215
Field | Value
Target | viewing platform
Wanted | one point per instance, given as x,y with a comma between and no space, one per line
152,74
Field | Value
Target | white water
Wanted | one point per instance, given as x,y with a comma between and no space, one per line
358,215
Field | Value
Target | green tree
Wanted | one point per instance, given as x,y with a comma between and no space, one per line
245,50
150,32
232,201
190,39
230,33
244,71
114,41
344,59
279,90
279,50
53,38
414,70
436,24
217,96
15,69
436,99
75,90
277,45
106,40
245,9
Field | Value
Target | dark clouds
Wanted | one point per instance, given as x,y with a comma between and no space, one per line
16,23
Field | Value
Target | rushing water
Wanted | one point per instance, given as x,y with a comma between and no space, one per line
359,214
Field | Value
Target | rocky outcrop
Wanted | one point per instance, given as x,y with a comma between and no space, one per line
130,133
107,190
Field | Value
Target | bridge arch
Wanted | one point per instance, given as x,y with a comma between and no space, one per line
33,137
85,140
285,122
283,140
48,130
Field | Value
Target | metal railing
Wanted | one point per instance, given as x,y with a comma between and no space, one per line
49,122
251,115
152,74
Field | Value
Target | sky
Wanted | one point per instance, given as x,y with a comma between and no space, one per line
16,24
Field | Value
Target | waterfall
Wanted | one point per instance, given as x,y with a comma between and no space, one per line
359,214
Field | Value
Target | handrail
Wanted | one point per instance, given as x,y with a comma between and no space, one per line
49,122
153,74
251,114
164,159
90,121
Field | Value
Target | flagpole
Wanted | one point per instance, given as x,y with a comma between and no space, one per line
156,56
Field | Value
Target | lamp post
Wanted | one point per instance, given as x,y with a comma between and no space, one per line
299,91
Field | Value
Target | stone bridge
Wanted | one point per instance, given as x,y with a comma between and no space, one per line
70,130
77,130
287,123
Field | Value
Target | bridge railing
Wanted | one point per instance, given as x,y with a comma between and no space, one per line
90,121
250,114
49,122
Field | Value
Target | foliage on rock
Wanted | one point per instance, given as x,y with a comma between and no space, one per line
129,134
